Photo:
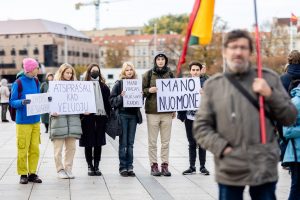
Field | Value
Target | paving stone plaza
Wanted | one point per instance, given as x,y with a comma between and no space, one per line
111,185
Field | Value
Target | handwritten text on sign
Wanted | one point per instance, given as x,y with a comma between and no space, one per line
133,93
178,94
72,97
39,104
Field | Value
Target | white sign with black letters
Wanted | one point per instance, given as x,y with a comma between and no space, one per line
72,97
133,93
39,104
178,94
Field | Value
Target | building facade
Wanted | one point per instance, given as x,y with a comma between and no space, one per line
139,49
44,41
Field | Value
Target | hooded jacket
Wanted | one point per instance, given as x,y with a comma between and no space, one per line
293,72
156,73
227,118
293,132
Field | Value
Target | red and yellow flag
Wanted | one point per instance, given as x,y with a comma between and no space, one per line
199,27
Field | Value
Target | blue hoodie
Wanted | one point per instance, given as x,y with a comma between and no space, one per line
293,131
28,87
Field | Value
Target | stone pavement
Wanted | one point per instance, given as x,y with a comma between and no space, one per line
111,185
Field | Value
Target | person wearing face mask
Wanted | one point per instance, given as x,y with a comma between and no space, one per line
157,122
130,117
93,125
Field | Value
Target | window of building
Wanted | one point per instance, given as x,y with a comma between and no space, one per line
36,51
144,63
23,52
13,52
110,76
2,52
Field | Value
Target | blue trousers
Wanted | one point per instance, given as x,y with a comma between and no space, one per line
260,192
126,141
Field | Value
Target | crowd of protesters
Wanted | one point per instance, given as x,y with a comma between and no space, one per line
228,128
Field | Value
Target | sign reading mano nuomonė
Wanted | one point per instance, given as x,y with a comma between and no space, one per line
178,94
72,97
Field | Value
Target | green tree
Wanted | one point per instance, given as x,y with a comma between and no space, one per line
167,24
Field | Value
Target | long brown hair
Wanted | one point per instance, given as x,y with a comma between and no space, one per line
88,72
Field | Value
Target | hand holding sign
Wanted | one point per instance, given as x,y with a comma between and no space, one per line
26,101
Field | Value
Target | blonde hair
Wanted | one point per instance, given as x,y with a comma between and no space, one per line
125,65
60,72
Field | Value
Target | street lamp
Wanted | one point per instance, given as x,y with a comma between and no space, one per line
66,45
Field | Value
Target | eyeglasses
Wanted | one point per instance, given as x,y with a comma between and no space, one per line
235,47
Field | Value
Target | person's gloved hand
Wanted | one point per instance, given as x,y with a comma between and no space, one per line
26,101
49,99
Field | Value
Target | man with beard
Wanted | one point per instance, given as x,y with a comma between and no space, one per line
227,123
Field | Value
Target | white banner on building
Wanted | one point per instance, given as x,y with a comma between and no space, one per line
178,94
39,104
133,93
72,97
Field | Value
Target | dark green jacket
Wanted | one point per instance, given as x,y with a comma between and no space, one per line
151,103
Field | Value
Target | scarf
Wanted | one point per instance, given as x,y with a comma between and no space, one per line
100,110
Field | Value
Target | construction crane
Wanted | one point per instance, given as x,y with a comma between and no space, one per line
96,3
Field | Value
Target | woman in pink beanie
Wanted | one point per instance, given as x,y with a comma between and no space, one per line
29,64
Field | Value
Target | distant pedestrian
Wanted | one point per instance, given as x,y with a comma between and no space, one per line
196,71
130,117
227,123
157,122
292,74
28,127
64,130
4,99
93,125
44,89
292,152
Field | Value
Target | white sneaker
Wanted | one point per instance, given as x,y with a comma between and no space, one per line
62,174
70,175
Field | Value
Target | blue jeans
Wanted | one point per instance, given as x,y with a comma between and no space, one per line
260,192
295,185
126,141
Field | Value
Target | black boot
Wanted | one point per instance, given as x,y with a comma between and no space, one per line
97,158
97,171
91,170
89,160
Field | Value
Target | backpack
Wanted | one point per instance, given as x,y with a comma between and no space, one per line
12,110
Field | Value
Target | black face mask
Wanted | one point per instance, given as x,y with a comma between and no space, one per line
95,74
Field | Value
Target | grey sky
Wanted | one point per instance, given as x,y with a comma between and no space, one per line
238,13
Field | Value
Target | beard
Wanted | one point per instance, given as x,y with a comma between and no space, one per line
237,67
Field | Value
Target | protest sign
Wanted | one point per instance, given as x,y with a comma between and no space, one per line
178,94
39,104
72,97
133,93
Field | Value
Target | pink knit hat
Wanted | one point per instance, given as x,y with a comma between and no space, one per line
29,64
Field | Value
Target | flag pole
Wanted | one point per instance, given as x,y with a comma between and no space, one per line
187,36
291,35
259,74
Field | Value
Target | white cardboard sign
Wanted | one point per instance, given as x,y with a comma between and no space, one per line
72,97
133,93
178,94
39,104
